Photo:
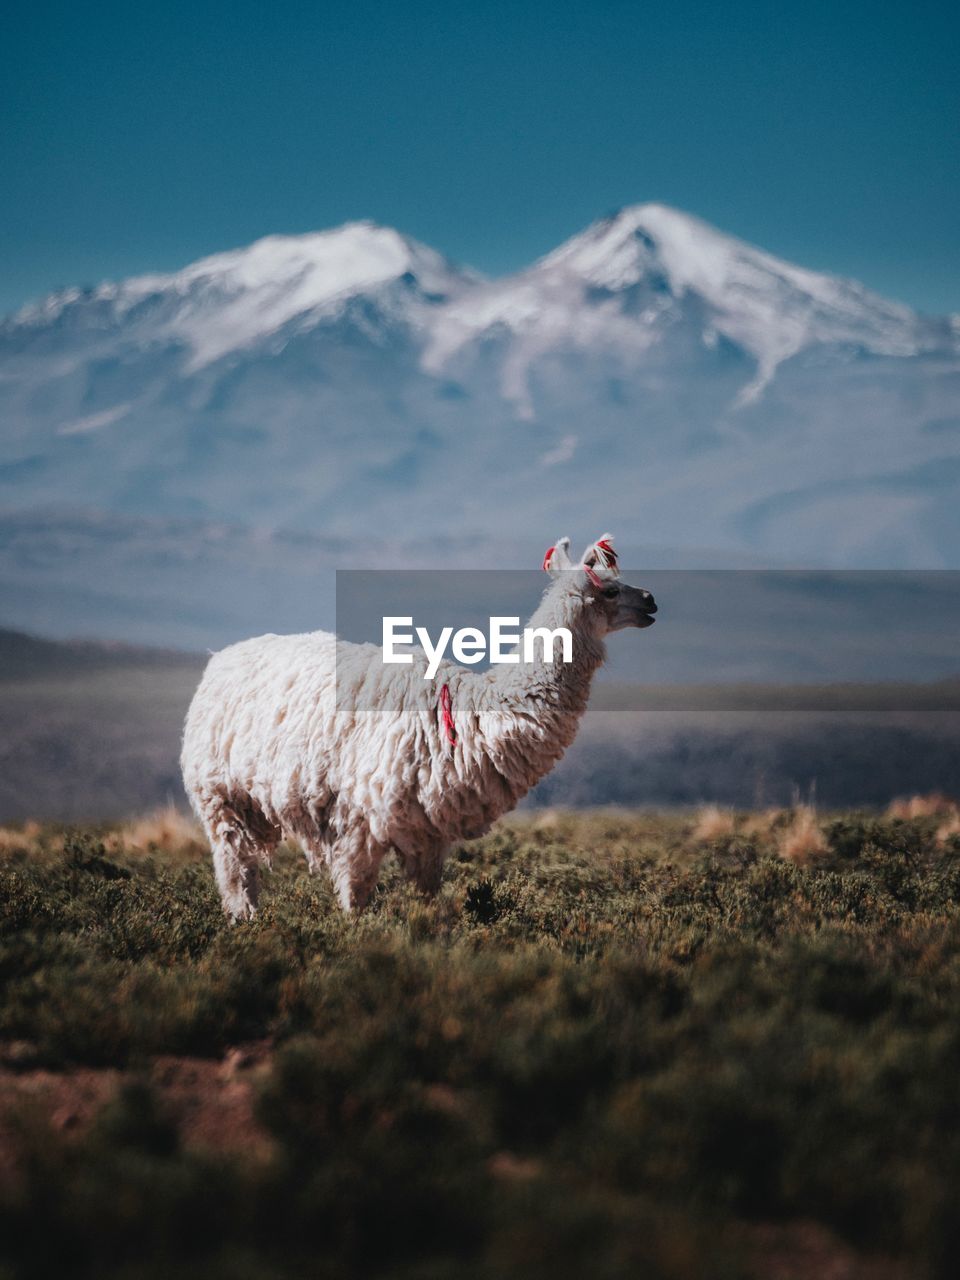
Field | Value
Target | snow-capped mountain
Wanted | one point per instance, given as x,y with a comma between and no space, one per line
227,303
628,283
652,374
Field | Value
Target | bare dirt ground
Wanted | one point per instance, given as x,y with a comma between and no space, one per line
211,1102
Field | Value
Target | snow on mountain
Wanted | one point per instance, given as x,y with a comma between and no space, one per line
646,282
229,301
624,281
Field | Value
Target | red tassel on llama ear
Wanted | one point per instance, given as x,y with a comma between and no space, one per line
607,555
557,557
601,555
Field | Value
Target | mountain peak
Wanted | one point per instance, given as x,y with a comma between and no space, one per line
630,218
769,307
318,264
350,256
618,250
228,300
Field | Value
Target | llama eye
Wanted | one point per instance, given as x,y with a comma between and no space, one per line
611,592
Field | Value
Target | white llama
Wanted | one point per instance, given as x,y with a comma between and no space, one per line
314,738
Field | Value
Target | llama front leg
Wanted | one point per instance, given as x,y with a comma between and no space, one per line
239,838
238,881
425,869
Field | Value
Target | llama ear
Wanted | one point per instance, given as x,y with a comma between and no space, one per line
557,557
601,555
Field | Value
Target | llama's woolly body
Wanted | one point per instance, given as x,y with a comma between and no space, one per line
316,739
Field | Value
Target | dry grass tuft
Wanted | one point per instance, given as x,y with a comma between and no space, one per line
949,830
765,826
933,805
802,842
714,823
168,830
19,839
546,820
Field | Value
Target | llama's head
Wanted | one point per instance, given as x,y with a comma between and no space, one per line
609,603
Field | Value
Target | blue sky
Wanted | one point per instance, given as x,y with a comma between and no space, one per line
140,137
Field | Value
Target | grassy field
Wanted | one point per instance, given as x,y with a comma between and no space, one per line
615,1045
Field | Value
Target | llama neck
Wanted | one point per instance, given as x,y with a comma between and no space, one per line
525,715
555,691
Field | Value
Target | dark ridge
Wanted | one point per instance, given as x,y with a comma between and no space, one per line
24,656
